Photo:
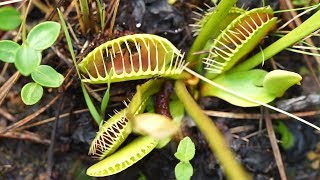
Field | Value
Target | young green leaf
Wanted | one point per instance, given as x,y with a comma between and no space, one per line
8,50
287,138
186,150
31,93
43,35
27,60
256,83
47,76
278,81
176,110
183,171
10,18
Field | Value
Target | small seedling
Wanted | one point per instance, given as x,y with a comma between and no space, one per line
287,138
27,59
185,152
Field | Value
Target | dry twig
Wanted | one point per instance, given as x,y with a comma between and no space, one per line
274,145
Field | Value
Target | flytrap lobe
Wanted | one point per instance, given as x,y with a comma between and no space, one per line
123,158
239,38
115,131
110,135
131,57
202,16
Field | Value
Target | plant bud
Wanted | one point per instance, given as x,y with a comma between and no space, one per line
155,125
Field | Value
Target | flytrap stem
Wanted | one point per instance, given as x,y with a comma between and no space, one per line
232,168
305,29
210,31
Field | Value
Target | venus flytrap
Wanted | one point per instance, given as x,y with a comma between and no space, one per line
256,83
132,57
144,56
152,128
27,59
233,44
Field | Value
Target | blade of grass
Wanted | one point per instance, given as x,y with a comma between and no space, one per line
101,15
113,20
92,109
85,14
105,99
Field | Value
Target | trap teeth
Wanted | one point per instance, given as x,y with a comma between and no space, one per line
132,57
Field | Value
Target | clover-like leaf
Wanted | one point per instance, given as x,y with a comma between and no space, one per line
31,93
256,84
10,18
27,60
8,50
186,150
43,35
47,76
183,171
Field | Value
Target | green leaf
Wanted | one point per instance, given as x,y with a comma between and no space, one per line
47,76
31,93
256,84
27,60
43,35
183,171
287,138
8,50
10,18
278,81
186,150
176,110
105,100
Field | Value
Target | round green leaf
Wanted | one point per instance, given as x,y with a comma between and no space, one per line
47,76
186,150
10,18
43,35
8,50
31,93
183,171
27,60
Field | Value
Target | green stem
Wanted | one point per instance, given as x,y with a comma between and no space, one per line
305,29
233,169
85,14
209,30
